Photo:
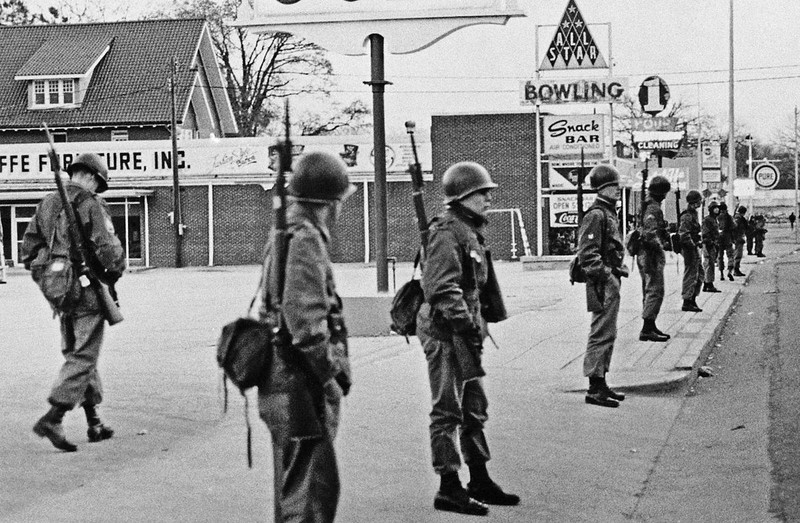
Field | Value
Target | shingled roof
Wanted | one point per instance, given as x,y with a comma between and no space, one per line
129,86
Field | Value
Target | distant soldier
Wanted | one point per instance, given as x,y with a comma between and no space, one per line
651,259
739,235
751,231
83,324
690,238
792,218
451,327
725,242
759,233
300,404
710,232
600,253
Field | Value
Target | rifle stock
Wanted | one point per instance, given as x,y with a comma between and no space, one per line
108,305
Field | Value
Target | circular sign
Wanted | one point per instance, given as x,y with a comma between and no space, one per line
766,176
653,95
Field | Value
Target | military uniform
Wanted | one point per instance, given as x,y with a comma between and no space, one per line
759,232
725,242
600,253
690,236
451,329
83,325
710,235
739,234
651,259
300,401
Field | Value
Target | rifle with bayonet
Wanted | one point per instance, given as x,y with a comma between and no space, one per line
87,273
282,338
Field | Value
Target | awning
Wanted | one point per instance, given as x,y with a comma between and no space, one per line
17,196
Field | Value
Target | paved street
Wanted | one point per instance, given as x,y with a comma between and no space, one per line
176,457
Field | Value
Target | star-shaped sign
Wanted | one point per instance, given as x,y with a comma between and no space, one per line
572,46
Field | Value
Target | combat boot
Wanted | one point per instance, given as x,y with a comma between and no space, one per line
709,287
738,272
597,396
49,426
650,332
452,497
483,489
690,306
614,395
97,431
730,275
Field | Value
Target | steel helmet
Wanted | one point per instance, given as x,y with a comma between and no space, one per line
742,210
464,178
319,176
694,197
603,175
713,205
95,164
659,186
723,206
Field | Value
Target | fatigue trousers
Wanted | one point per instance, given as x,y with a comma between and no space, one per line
306,477
82,331
459,410
738,253
603,332
723,251
759,241
749,244
692,275
651,268
709,259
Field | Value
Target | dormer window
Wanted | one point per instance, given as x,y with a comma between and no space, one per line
53,93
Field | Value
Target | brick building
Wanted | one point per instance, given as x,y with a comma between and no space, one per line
105,82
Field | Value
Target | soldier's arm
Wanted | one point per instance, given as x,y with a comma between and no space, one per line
32,241
441,279
305,301
652,227
685,230
109,257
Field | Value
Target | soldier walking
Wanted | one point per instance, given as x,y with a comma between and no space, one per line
725,242
451,327
652,260
710,235
82,323
300,401
739,234
689,233
600,253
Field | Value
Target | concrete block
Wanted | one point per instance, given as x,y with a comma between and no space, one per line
545,263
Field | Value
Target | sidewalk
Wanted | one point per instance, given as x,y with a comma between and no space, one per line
176,457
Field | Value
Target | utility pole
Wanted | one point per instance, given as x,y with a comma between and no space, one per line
177,215
796,208
731,138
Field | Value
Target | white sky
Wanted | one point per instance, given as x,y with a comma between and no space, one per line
684,41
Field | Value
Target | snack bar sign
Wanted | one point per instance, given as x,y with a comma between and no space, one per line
566,136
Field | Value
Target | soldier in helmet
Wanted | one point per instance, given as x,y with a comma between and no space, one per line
600,253
739,238
452,327
710,235
315,365
725,245
82,325
651,260
689,233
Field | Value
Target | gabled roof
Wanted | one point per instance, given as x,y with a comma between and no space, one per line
130,84
63,55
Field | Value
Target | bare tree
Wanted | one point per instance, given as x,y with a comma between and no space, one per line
261,70
15,12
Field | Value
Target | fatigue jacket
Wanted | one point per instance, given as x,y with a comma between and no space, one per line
312,309
654,228
93,215
689,229
454,271
739,228
600,250
710,231
725,224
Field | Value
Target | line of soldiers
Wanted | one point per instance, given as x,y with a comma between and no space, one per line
314,369
601,252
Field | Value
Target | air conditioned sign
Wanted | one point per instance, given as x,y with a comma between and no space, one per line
566,136
601,90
